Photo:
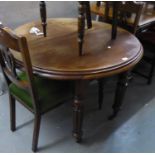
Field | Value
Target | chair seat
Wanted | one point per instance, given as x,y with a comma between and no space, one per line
50,92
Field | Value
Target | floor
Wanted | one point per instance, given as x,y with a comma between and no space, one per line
132,131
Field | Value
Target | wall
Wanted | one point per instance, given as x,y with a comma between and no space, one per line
13,14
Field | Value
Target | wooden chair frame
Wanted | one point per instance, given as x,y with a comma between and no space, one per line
10,41
130,8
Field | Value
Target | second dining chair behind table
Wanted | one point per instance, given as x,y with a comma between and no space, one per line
127,13
147,38
36,94
146,35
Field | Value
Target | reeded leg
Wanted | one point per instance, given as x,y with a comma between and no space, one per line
78,110
37,121
122,85
81,26
43,16
78,118
12,113
100,92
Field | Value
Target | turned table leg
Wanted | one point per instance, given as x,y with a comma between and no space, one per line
122,85
43,16
78,109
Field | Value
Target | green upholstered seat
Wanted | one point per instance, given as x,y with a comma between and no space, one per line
50,92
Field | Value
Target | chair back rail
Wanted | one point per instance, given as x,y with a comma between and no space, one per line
8,38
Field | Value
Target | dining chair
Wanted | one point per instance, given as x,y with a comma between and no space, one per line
147,38
37,94
122,14
127,13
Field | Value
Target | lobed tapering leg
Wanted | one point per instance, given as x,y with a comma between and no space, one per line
122,85
37,122
12,113
77,119
80,87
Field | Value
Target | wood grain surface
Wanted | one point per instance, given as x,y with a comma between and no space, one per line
56,56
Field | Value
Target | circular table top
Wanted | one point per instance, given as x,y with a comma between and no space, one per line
56,56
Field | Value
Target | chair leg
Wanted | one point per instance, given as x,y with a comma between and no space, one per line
37,122
12,113
151,74
100,93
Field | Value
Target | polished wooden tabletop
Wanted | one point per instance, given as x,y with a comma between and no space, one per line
147,16
56,56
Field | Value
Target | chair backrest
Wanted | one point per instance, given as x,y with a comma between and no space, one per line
9,41
128,14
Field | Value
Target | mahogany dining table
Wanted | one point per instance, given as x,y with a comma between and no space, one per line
56,57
